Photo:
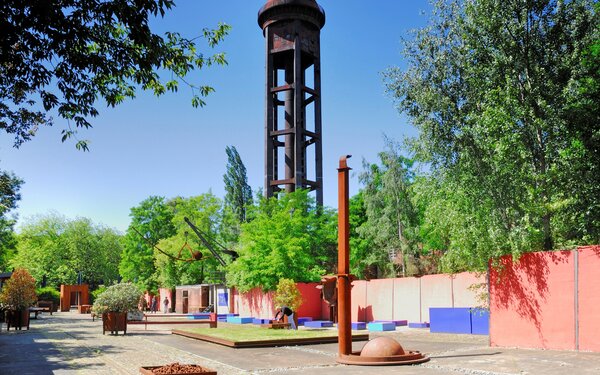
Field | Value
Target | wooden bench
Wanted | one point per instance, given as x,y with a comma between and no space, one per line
212,321
46,306
276,325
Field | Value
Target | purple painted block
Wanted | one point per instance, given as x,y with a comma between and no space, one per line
381,326
358,325
261,321
418,325
318,324
303,320
450,319
480,321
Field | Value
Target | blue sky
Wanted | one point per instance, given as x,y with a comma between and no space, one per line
163,146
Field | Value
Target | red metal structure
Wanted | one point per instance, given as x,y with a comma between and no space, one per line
344,302
292,32
381,350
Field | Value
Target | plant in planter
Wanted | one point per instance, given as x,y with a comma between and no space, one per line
17,296
287,294
114,304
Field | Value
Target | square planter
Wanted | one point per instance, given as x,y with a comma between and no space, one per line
175,367
114,322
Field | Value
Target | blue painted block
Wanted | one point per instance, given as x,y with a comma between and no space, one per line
418,325
480,321
318,324
396,322
381,326
199,316
358,325
303,320
450,320
239,320
261,321
226,315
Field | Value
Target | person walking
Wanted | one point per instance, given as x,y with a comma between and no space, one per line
166,304
154,306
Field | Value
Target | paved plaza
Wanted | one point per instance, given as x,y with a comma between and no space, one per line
69,343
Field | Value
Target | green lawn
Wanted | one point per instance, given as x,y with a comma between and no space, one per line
250,332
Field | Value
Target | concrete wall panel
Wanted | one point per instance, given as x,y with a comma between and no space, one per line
465,288
380,296
360,310
532,301
436,291
407,299
589,298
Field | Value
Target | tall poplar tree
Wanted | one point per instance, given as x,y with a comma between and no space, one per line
238,193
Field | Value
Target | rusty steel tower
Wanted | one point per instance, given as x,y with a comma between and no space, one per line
293,95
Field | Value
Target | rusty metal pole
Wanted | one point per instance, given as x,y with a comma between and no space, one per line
344,304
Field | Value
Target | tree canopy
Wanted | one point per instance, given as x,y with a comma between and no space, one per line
287,237
55,250
68,55
207,214
9,196
152,219
505,97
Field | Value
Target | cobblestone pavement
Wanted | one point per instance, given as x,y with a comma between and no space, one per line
69,343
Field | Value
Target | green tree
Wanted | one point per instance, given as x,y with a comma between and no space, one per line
392,221
55,249
206,213
238,193
288,237
361,265
67,55
490,86
152,219
9,196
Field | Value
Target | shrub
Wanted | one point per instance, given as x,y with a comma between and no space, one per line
19,291
287,294
48,294
121,298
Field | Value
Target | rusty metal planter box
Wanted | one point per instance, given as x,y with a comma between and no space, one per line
149,370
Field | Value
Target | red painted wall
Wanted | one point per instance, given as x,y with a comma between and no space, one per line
311,300
532,301
589,298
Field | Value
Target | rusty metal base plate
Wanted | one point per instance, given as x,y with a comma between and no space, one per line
410,358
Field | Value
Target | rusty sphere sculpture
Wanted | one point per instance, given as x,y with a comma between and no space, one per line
382,347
